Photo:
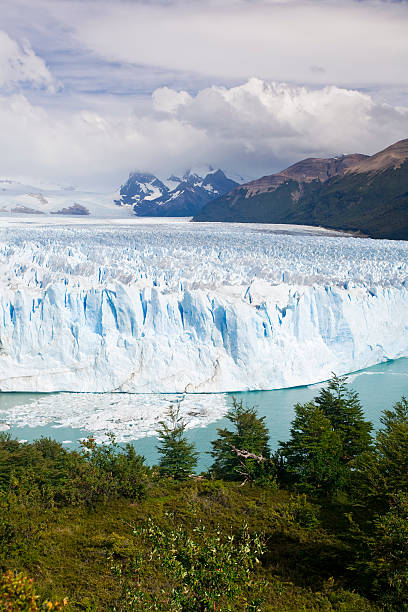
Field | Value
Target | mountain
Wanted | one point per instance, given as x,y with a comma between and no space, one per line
175,197
368,194
25,198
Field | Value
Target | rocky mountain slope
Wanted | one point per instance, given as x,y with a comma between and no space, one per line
352,192
175,197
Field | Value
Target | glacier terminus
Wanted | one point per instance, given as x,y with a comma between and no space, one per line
169,306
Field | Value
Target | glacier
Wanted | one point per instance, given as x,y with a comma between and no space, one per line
154,306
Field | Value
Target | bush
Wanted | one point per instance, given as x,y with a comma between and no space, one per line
18,594
303,512
385,555
205,571
110,471
43,472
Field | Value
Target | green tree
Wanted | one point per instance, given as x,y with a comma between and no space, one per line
343,408
178,457
244,452
313,454
382,555
109,471
382,473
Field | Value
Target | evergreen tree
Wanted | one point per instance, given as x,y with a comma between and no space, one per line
383,473
313,454
178,457
343,408
382,554
243,452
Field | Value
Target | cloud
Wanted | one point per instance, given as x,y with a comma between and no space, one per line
168,100
162,85
261,126
20,65
357,43
256,128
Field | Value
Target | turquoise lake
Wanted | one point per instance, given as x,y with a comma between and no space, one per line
378,387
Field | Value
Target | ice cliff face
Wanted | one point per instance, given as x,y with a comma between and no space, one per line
175,307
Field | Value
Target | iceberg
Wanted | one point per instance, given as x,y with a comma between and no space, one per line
144,306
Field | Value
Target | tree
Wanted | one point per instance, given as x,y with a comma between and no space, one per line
343,408
383,473
178,457
244,452
111,470
313,454
382,555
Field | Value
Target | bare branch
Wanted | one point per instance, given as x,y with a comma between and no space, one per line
247,455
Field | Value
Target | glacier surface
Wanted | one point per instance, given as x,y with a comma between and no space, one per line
147,306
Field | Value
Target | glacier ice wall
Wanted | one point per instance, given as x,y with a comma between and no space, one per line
175,307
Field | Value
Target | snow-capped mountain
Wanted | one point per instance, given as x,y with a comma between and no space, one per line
35,198
174,197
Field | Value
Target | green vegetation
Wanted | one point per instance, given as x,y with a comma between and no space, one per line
327,436
242,454
18,594
313,455
178,458
374,203
345,413
383,473
321,525
204,570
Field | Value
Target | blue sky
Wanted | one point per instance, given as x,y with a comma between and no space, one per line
90,90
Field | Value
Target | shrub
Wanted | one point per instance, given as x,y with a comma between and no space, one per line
204,571
18,594
110,471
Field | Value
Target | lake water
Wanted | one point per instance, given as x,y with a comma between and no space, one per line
378,387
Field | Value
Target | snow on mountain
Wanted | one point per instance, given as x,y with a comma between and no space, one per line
174,197
175,307
23,198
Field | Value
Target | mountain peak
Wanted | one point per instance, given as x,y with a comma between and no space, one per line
149,196
391,157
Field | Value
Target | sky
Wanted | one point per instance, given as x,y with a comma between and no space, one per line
91,90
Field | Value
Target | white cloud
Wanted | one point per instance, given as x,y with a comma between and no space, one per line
168,100
19,64
305,41
252,129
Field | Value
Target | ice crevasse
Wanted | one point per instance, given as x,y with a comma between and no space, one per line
185,310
